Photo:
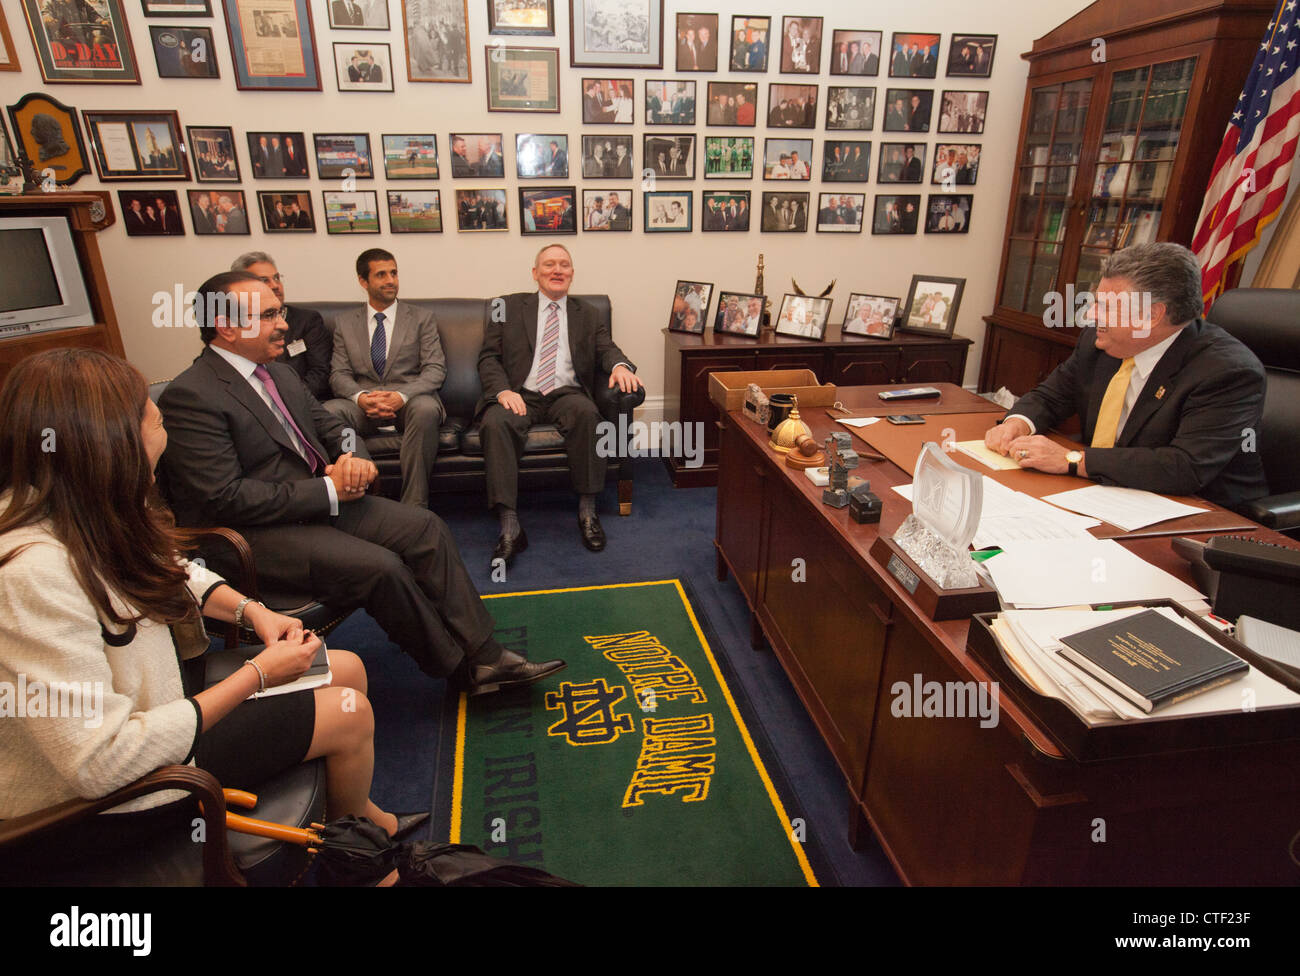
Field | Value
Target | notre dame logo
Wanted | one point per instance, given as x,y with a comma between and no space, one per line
589,718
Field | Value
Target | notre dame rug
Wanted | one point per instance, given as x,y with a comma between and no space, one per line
632,766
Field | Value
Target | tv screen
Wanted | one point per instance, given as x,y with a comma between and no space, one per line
27,278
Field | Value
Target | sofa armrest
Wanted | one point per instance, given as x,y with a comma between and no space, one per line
245,578
1279,512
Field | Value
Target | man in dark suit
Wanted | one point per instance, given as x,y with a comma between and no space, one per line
346,14
539,366
1164,398
387,368
558,165
248,447
460,165
910,171
620,218
308,342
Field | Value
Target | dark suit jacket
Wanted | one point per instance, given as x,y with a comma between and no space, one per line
507,354
1187,441
229,461
415,363
313,364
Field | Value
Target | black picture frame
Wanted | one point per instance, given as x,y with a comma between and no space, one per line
846,160
915,114
175,54
782,113
794,306
850,108
483,157
916,318
369,15
778,218
149,219
727,221
781,159
882,314
362,66
699,56
948,213
737,148
276,209
743,115
683,112
548,211
665,221
746,54
914,54
608,101
962,114
955,164
600,158
971,55
690,308
514,23
804,56
278,155
482,210
904,218
211,148
831,212
359,208
343,151
895,167
682,167
225,215
409,211
736,315
616,216
541,156
846,62
410,155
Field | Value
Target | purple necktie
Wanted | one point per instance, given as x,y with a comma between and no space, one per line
314,460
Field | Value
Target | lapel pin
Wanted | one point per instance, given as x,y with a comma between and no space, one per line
1160,393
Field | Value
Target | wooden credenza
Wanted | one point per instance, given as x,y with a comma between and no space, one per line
950,801
842,360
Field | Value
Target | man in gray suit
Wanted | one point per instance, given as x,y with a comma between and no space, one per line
387,369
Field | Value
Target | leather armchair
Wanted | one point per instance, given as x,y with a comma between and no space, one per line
1267,321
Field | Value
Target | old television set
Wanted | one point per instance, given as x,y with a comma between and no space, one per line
41,283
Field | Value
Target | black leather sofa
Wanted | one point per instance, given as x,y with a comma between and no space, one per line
461,323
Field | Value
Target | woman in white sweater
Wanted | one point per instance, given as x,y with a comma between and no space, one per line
93,588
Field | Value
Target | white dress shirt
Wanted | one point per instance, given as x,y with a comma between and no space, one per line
564,374
245,367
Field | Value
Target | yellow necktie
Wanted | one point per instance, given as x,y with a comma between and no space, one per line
1112,405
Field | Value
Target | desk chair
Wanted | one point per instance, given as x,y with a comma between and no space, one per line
1267,321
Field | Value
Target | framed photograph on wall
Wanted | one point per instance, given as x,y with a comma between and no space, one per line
607,209
47,133
358,14
274,48
541,157
482,209
931,306
728,157
547,210
212,148
90,49
351,211
840,213
184,52
846,161
801,45
913,55
948,213
670,157
732,103
343,154
415,211
896,214
971,55
697,42
850,108
608,101
667,212
908,109
177,8
151,213
218,212
787,159
963,111
626,33
855,52
956,164
901,162
137,145
739,313
791,106
523,79
437,40
411,157
724,210
670,103
690,306
278,155
749,40
607,157
8,54
803,316
477,154
521,16
363,67
870,315
8,154
286,213
784,213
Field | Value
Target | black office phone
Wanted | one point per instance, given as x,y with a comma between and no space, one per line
1251,577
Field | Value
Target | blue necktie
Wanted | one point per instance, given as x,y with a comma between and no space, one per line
377,343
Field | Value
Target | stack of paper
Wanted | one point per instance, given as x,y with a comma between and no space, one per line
1011,516
1128,508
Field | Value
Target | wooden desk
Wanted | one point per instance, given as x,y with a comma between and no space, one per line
949,801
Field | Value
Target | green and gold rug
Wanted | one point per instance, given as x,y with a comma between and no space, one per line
633,766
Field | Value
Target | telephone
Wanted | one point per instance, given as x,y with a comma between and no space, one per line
1247,576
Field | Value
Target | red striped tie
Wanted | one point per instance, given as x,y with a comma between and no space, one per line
550,344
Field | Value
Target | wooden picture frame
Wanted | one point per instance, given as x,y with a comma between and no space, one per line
358,15
737,315
218,213
339,152
609,33
212,148
502,20
872,316
351,212
437,43
46,132
83,53
137,145
803,317
477,155
410,156
690,309
286,212
932,304
151,213
415,211
547,211
175,54
515,75
250,29
8,53
672,212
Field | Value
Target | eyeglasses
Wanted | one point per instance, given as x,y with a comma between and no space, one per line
271,314
267,279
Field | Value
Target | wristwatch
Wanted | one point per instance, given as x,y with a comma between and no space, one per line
1074,457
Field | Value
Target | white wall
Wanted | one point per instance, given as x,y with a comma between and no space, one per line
637,270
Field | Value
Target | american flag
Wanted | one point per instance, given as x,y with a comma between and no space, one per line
1251,173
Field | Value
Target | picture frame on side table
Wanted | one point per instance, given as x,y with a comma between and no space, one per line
803,317
932,304
690,307
137,145
625,33
437,41
47,132
522,79
739,313
89,52
870,315
281,41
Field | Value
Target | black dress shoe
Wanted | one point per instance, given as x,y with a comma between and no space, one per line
509,671
408,823
593,536
507,549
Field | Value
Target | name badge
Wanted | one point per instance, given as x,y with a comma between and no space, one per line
296,348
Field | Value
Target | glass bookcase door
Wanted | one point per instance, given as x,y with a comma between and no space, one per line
1049,168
